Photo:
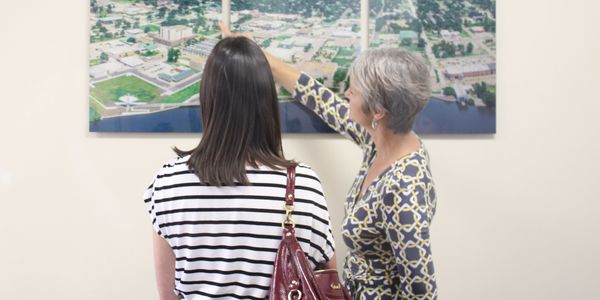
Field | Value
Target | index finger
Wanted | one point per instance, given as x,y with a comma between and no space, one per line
225,29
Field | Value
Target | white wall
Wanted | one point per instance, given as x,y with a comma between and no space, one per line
518,211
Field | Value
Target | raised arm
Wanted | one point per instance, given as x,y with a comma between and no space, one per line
332,109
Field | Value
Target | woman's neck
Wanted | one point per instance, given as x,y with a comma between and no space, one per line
391,146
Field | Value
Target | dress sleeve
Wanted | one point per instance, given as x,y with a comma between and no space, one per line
330,108
150,206
405,222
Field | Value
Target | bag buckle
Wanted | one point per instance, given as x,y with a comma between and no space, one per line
288,216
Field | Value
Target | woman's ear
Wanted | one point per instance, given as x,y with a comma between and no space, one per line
377,116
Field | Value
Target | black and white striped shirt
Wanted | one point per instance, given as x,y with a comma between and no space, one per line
225,238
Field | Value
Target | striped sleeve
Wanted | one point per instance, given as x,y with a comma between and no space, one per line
322,243
150,206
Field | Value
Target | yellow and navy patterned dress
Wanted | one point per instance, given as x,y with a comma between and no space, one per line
387,228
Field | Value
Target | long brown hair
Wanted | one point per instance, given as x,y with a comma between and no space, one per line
240,115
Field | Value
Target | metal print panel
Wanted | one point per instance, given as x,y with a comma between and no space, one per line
458,40
146,60
146,57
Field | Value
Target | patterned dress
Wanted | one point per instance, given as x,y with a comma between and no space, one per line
386,229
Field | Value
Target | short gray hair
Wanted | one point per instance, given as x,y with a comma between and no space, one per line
394,81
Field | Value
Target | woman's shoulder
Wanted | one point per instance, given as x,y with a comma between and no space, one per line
304,168
305,171
177,165
309,188
305,175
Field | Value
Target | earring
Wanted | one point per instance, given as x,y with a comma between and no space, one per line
374,123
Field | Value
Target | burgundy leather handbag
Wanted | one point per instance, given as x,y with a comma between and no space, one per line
293,277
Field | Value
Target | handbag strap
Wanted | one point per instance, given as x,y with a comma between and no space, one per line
289,197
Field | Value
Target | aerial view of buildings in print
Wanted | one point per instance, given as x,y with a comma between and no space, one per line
146,57
321,38
458,40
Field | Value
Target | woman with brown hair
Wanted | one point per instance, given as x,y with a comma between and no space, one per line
217,210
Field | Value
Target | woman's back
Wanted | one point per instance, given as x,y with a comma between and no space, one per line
225,238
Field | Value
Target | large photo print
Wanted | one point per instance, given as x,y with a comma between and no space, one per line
146,57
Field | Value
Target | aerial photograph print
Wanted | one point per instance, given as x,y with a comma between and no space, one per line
146,56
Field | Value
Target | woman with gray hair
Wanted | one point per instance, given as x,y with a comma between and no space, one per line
388,210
